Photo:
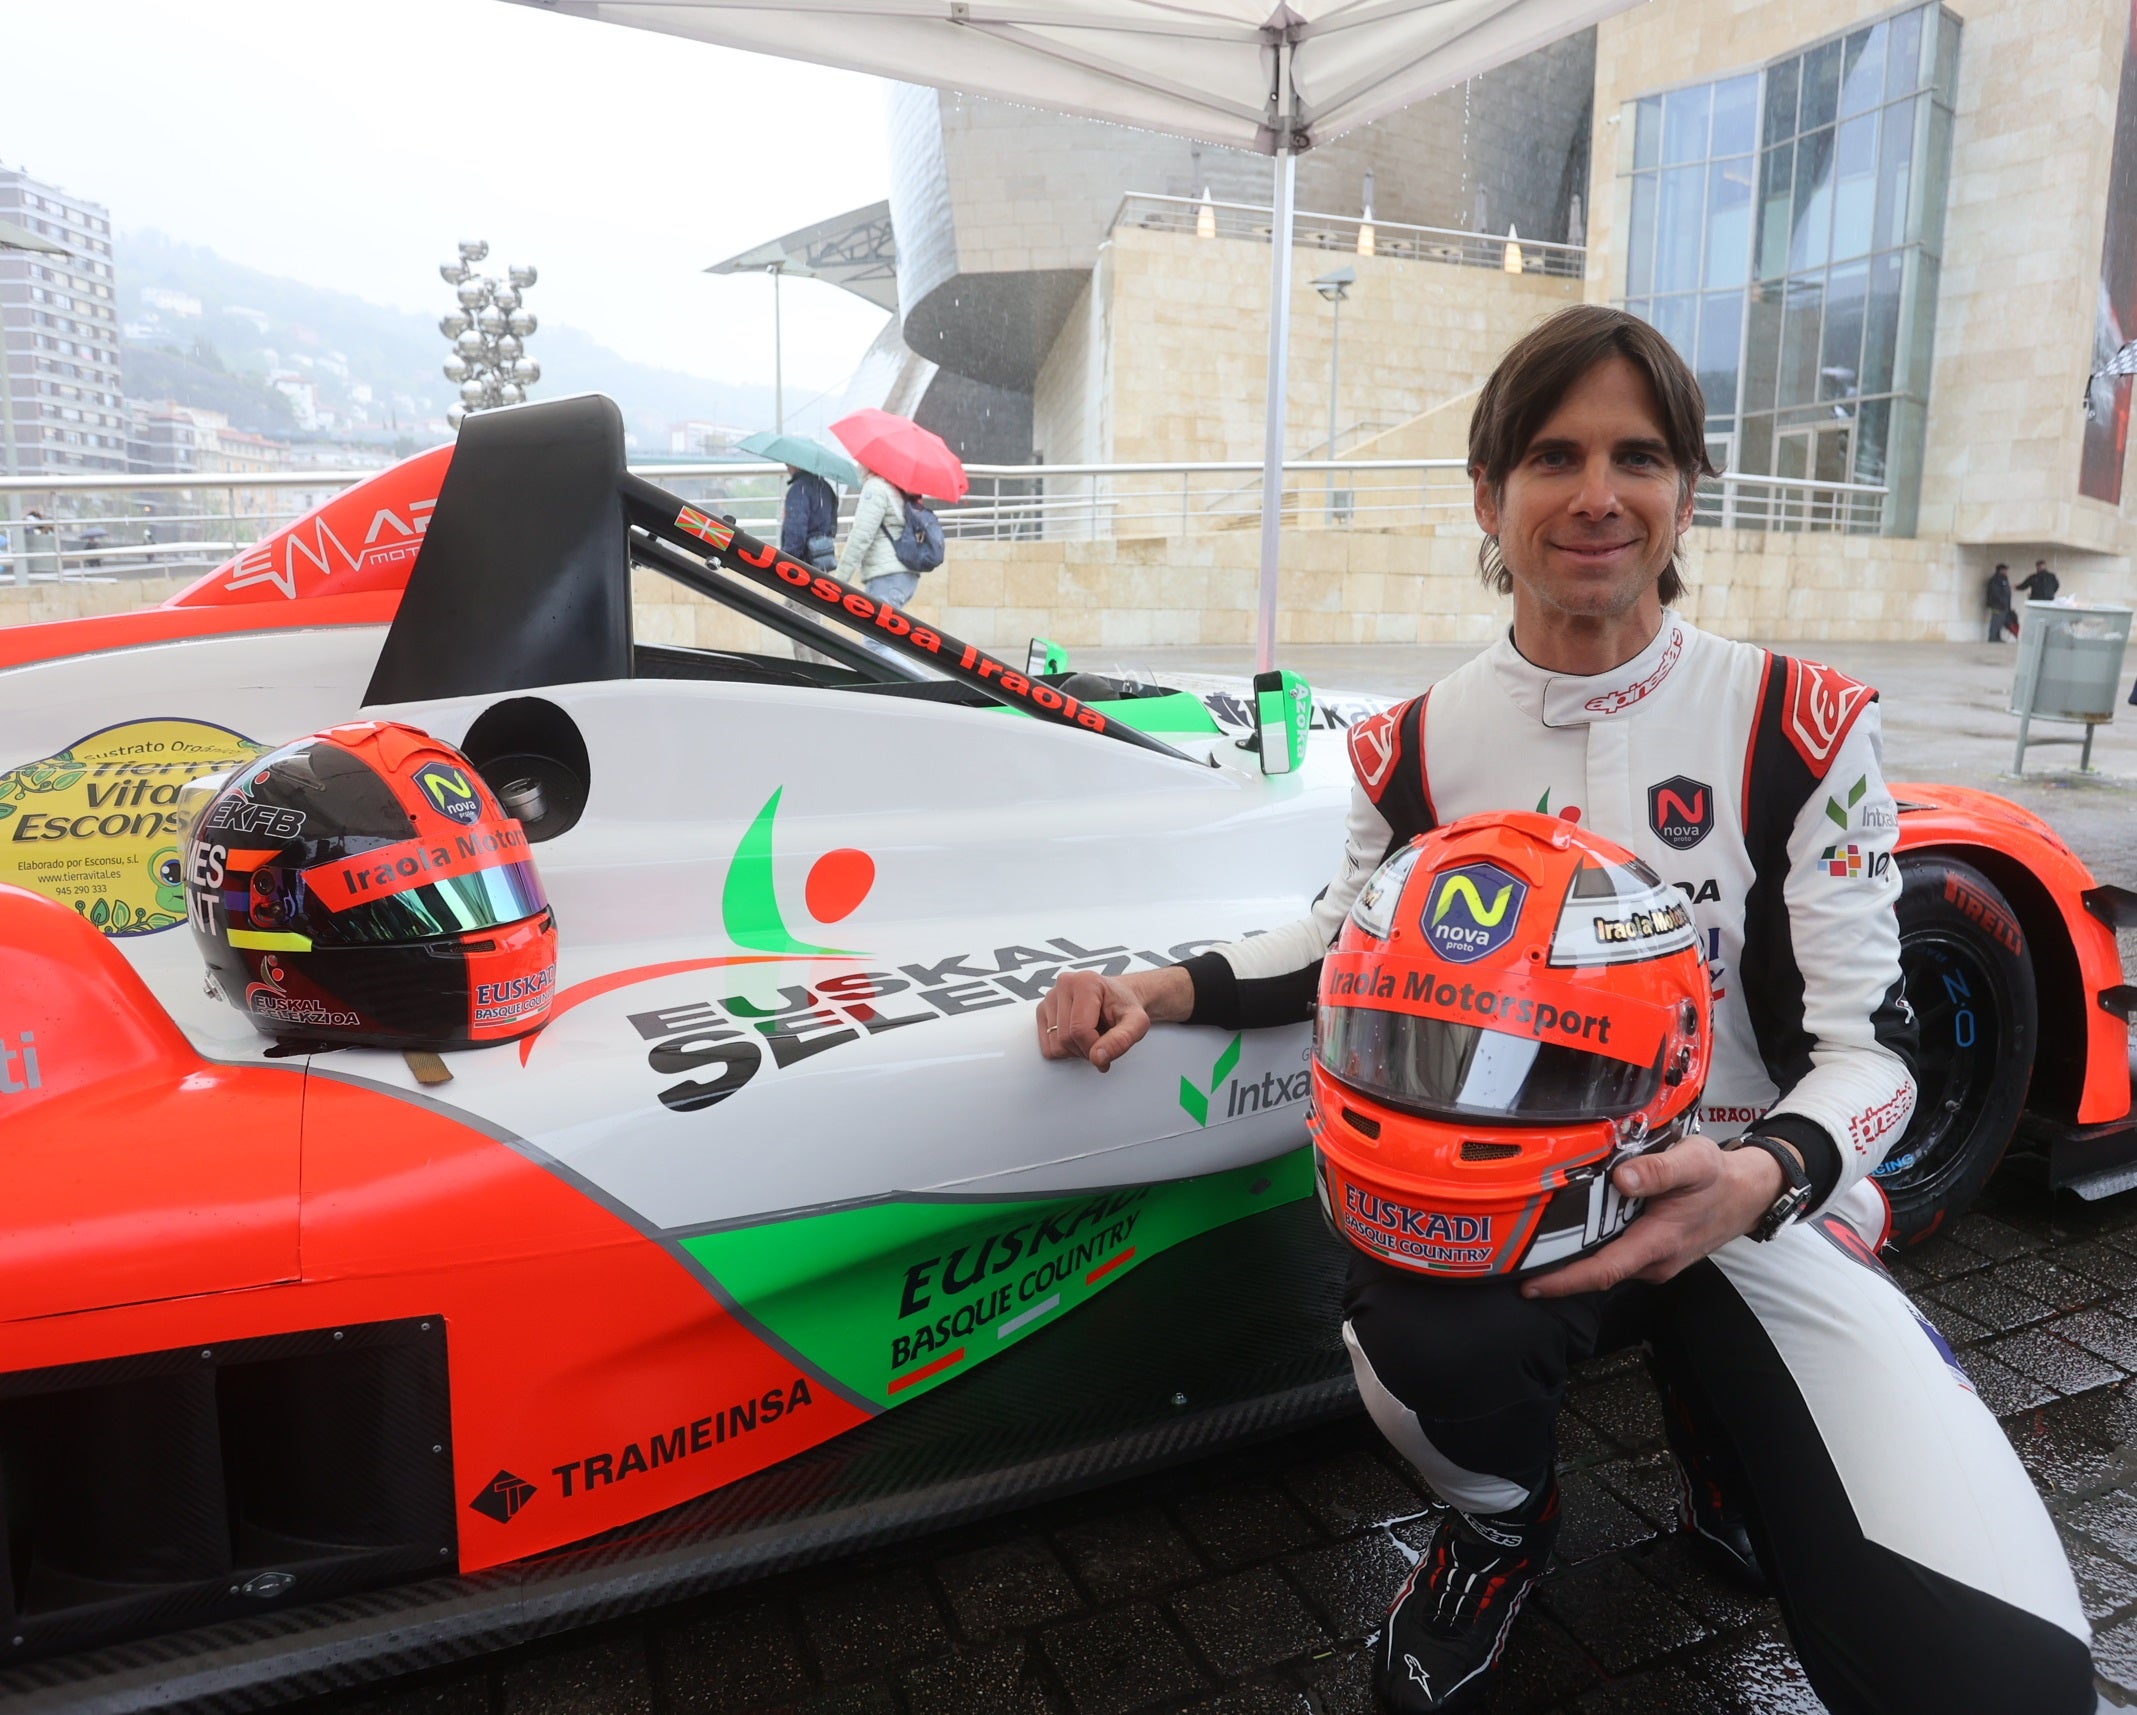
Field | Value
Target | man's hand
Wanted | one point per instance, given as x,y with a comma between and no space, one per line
1086,1016
1699,1197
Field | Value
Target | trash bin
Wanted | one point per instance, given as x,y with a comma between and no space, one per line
2069,669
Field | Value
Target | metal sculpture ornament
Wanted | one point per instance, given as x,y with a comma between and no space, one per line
489,332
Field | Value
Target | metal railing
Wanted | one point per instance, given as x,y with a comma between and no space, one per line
99,528
1352,234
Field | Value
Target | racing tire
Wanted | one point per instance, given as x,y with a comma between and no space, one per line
1969,978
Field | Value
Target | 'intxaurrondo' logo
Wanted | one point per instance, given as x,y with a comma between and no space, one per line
1472,911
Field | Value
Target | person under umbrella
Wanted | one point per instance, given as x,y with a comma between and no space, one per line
900,460
808,523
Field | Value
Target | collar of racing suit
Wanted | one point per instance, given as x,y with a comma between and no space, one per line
1564,699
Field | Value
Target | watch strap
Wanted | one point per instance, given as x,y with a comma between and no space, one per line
1796,1192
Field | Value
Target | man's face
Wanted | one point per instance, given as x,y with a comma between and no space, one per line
1591,511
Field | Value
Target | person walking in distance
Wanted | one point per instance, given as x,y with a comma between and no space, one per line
2002,621
1830,1441
870,556
2041,584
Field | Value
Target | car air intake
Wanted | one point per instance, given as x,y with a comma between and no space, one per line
167,1489
1474,1149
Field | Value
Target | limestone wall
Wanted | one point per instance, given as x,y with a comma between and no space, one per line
1186,329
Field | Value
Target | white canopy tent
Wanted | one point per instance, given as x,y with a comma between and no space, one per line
1222,71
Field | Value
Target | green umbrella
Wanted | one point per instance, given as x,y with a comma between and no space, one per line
805,454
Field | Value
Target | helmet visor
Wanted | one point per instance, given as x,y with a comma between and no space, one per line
451,905
1445,1070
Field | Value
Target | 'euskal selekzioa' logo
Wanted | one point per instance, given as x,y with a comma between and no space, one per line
502,1496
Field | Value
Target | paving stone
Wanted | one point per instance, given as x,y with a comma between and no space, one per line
1666,1690
1255,1700
1618,1617
1942,1259
1908,1278
871,1622
461,1693
1994,1239
1759,1671
1624,1408
603,1676
1243,1525
1646,1482
737,1658
991,1679
1543,1668
1247,1621
2044,1278
2002,1389
2036,1352
870,1699
2114,1656
1594,1521
1353,1490
2107,1414
1342,1682
1996,1308
1115,1662
2110,1519
1129,1554
1720,1604
2101,1330
1350,1583
2105,1586
1581,1443
2059,1457
2098,1260
1006,1587
1956,1326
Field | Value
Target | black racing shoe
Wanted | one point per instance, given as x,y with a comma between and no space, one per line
1450,1619
1707,1482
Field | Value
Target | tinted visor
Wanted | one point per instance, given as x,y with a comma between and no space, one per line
1466,1071
455,905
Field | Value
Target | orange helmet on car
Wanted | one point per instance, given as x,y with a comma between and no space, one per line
364,886
1514,1006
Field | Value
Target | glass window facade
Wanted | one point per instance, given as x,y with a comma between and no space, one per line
1785,233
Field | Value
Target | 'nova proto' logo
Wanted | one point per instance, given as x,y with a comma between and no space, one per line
1472,911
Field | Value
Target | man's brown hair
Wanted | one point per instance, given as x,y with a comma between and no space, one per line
1533,379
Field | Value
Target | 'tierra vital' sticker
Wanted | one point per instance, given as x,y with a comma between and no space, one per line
96,826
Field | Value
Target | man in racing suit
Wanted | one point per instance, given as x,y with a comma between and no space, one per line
1915,1566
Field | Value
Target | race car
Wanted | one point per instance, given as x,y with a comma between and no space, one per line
777,1236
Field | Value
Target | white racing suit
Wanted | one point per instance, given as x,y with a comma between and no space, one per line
1915,1565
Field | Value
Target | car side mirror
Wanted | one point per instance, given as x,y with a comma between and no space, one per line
1283,710
1044,656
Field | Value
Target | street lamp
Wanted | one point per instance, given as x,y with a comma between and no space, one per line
1335,288
779,379
489,332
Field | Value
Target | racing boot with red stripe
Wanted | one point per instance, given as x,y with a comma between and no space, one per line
1708,1484
1451,1617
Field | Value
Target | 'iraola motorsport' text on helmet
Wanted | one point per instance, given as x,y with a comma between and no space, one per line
1514,1006
364,886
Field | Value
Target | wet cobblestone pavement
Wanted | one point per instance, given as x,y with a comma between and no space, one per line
1247,1584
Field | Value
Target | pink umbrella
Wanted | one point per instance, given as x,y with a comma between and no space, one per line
903,453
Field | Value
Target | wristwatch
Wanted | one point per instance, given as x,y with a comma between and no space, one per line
1795,1195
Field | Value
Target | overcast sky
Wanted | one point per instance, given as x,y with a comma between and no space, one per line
352,144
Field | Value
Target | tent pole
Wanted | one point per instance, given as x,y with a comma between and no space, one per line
1272,446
